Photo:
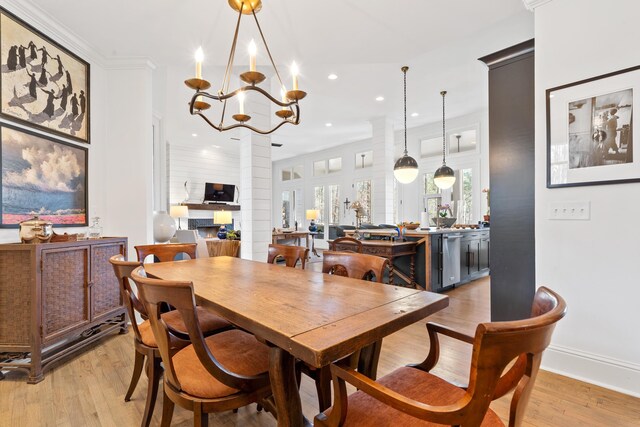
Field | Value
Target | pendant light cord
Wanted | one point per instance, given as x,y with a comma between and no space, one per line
444,162
404,70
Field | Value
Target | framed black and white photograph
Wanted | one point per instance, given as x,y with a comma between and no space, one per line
590,131
42,84
41,176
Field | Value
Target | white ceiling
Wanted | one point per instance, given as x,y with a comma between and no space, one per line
364,42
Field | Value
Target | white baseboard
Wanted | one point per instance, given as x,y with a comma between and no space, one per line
603,371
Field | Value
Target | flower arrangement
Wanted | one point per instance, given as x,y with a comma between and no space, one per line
488,192
444,210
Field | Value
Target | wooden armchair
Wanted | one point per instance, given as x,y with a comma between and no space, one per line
413,396
143,340
166,252
291,254
346,244
219,373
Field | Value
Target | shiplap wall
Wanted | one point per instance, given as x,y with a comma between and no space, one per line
197,165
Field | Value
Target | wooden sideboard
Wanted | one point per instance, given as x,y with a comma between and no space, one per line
56,298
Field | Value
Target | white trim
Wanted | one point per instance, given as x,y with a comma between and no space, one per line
614,374
532,4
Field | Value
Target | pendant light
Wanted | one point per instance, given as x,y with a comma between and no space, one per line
444,177
406,168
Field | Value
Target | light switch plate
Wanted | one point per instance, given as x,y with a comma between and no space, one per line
580,211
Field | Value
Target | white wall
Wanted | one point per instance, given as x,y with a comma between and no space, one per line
119,153
593,264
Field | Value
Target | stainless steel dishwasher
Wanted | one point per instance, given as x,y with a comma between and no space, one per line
450,259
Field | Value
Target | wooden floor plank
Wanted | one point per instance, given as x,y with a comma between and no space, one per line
88,390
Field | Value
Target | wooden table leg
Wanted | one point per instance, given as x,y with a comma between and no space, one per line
282,373
391,271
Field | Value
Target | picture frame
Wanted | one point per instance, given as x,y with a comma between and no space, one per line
42,176
42,84
590,130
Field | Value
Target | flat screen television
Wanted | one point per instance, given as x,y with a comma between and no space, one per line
214,192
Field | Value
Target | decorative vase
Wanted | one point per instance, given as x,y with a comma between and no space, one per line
313,227
164,227
222,232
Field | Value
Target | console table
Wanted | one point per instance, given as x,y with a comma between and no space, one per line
56,298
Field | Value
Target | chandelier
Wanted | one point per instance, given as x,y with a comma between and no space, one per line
289,110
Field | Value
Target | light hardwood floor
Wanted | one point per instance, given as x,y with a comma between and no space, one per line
89,389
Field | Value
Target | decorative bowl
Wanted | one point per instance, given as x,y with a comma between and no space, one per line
443,222
412,226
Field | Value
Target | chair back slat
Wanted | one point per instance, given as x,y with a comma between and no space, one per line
166,252
354,265
180,295
291,254
122,270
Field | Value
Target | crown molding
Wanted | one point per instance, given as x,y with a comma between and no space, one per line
532,4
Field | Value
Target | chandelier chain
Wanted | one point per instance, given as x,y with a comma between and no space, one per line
443,93
267,48
404,70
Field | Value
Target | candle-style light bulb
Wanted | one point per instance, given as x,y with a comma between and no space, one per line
253,50
241,102
294,73
199,59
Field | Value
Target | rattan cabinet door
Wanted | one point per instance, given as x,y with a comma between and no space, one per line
105,292
65,290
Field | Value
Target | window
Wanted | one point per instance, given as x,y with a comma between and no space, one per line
431,147
288,208
320,168
465,209
335,165
318,204
363,195
462,141
432,197
290,173
364,159
334,203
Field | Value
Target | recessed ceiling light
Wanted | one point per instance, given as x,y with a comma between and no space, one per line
194,135
379,98
328,125
332,76
414,114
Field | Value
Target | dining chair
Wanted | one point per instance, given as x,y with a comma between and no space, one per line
346,244
355,266
290,254
166,252
411,395
144,342
222,372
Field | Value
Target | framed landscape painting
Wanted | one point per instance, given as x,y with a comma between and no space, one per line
590,131
41,83
41,176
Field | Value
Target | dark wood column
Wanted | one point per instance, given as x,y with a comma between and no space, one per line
511,171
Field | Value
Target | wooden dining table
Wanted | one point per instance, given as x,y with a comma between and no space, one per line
311,316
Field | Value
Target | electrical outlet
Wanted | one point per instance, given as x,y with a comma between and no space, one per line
580,211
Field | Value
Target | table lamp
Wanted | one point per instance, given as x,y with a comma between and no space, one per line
223,218
313,214
179,212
